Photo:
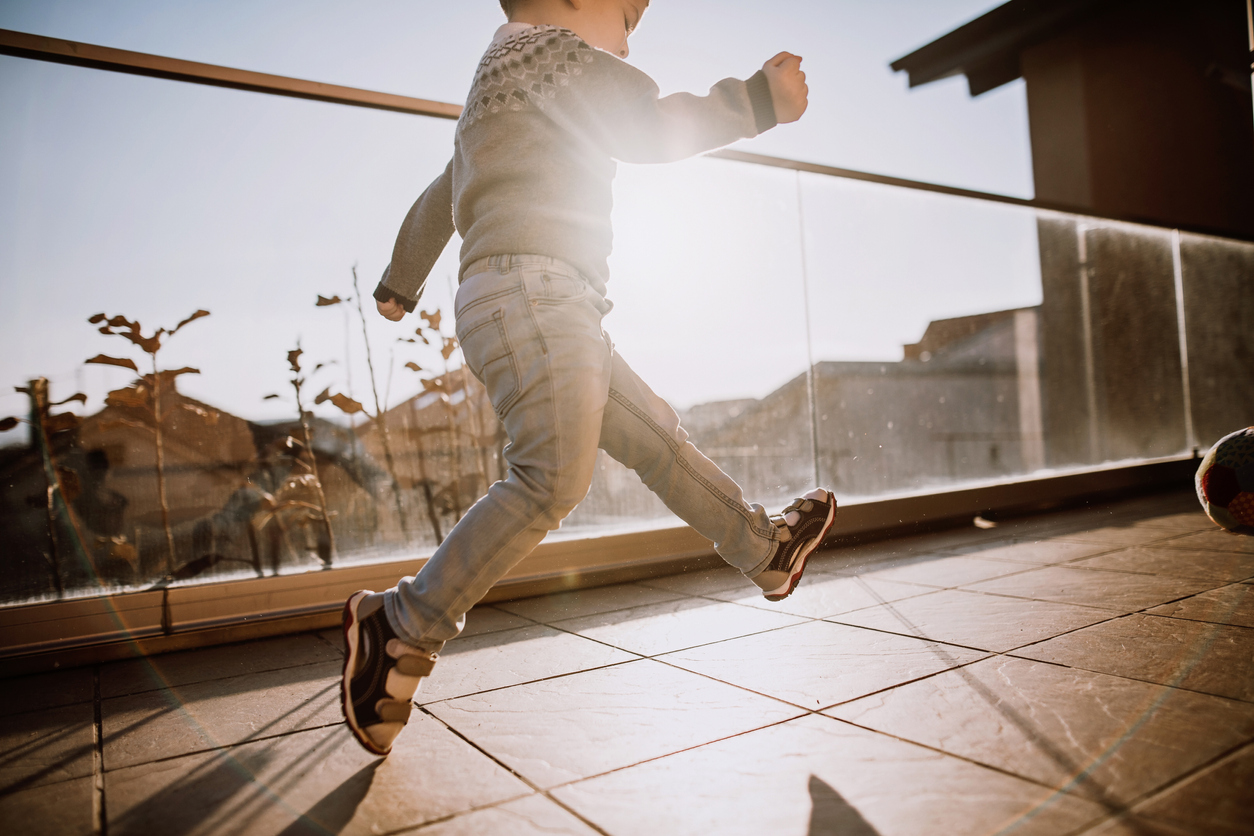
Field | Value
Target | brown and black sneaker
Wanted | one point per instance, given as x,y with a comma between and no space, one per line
802,527
381,674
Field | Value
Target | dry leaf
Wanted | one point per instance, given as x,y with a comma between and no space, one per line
7,424
432,318
105,360
191,318
346,404
343,402
413,366
150,345
324,301
293,358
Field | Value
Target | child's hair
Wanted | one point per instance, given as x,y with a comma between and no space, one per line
507,6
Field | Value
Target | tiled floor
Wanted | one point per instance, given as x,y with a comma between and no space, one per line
1086,671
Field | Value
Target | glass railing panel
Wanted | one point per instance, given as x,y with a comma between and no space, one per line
250,207
925,313
876,339
709,310
1217,276
1112,384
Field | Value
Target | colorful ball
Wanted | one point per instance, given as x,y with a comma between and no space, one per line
1225,482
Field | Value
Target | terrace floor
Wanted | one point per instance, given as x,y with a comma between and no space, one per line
1085,671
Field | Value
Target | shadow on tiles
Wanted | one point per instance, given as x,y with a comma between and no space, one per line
832,815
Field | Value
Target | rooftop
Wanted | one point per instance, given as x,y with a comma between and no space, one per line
1083,671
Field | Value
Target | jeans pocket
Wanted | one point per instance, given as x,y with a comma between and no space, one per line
559,289
488,353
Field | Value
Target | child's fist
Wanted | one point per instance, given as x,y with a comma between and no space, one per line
391,309
788,86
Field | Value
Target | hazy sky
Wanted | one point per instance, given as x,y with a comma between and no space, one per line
154,198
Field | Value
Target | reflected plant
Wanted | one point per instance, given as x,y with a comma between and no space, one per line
145,398
349,406
444,385
274,504
63,483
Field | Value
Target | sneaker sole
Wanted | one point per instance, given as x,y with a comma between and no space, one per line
350,663
775,594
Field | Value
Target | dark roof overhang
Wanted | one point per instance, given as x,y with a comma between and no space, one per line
987,49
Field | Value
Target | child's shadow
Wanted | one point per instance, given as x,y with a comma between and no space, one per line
832,815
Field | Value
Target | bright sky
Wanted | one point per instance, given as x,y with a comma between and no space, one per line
153,198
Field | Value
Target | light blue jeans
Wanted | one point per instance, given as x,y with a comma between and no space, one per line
530,331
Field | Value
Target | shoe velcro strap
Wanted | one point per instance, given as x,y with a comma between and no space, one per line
415,664
394,711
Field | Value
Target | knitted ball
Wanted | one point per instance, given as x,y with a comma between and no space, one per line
1225,482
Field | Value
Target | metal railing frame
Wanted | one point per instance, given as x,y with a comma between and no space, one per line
73,53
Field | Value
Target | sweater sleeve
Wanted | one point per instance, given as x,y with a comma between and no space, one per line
619,108
424,233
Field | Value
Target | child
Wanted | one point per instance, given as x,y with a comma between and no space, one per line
551,109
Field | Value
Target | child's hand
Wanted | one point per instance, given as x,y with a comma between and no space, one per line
391,309
788,86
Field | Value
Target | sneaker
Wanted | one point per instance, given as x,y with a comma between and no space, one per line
381,674
802,527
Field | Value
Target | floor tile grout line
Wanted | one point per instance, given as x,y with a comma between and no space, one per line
595,612
226,747
1027,779
1164,789
3,717
788,720
809,619
833,618
819,711
692,748
968,759
689,647
1010,654
548,678
99,669
596,827
1239,700
639,657
829,619
658,658
99,810
920,637
536,788
256,735
1039,741
336,662
822,708
1090,606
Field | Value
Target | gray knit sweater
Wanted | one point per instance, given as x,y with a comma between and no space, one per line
535,149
